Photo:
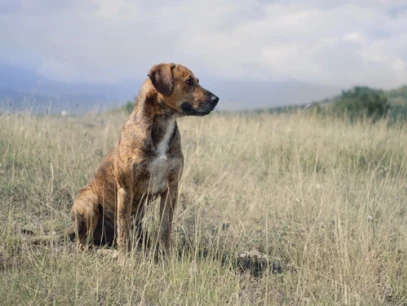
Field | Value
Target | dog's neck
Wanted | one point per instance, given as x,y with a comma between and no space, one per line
155,119
161,135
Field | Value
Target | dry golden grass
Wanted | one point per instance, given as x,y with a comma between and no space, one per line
324,200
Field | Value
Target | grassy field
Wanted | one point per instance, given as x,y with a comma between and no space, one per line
284,209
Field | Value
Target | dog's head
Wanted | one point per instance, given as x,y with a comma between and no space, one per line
181,91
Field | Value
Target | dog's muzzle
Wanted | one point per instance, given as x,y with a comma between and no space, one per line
204,108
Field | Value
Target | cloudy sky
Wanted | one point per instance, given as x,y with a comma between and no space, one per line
330,43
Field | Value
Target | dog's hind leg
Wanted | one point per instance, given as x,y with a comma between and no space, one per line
85,216
105,231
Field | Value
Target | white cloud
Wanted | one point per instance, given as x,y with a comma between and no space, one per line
398,64
55,69
115,10
337,43
355,37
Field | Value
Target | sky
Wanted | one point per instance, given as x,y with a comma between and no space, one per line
328,43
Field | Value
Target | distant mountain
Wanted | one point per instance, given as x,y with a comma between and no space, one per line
41,103
22,88
263,94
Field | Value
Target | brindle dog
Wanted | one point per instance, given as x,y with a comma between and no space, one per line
144,163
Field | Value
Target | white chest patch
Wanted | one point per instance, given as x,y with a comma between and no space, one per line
162,146
160,165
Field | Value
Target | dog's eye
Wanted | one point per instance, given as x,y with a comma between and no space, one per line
189,82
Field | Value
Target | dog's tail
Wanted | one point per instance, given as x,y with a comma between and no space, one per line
70,233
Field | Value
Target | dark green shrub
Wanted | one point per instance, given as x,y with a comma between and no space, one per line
361,102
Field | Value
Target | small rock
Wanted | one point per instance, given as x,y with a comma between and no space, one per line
114,254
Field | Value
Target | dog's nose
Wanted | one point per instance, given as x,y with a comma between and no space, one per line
214,99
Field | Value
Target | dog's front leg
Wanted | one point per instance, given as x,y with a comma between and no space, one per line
167,208
124,202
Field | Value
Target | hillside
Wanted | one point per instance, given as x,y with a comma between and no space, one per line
398,96
397,99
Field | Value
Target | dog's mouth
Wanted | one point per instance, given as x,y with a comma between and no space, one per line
203,110
205,107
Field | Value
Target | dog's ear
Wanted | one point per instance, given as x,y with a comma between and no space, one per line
162,79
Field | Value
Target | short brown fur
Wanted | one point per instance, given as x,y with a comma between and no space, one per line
144,163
